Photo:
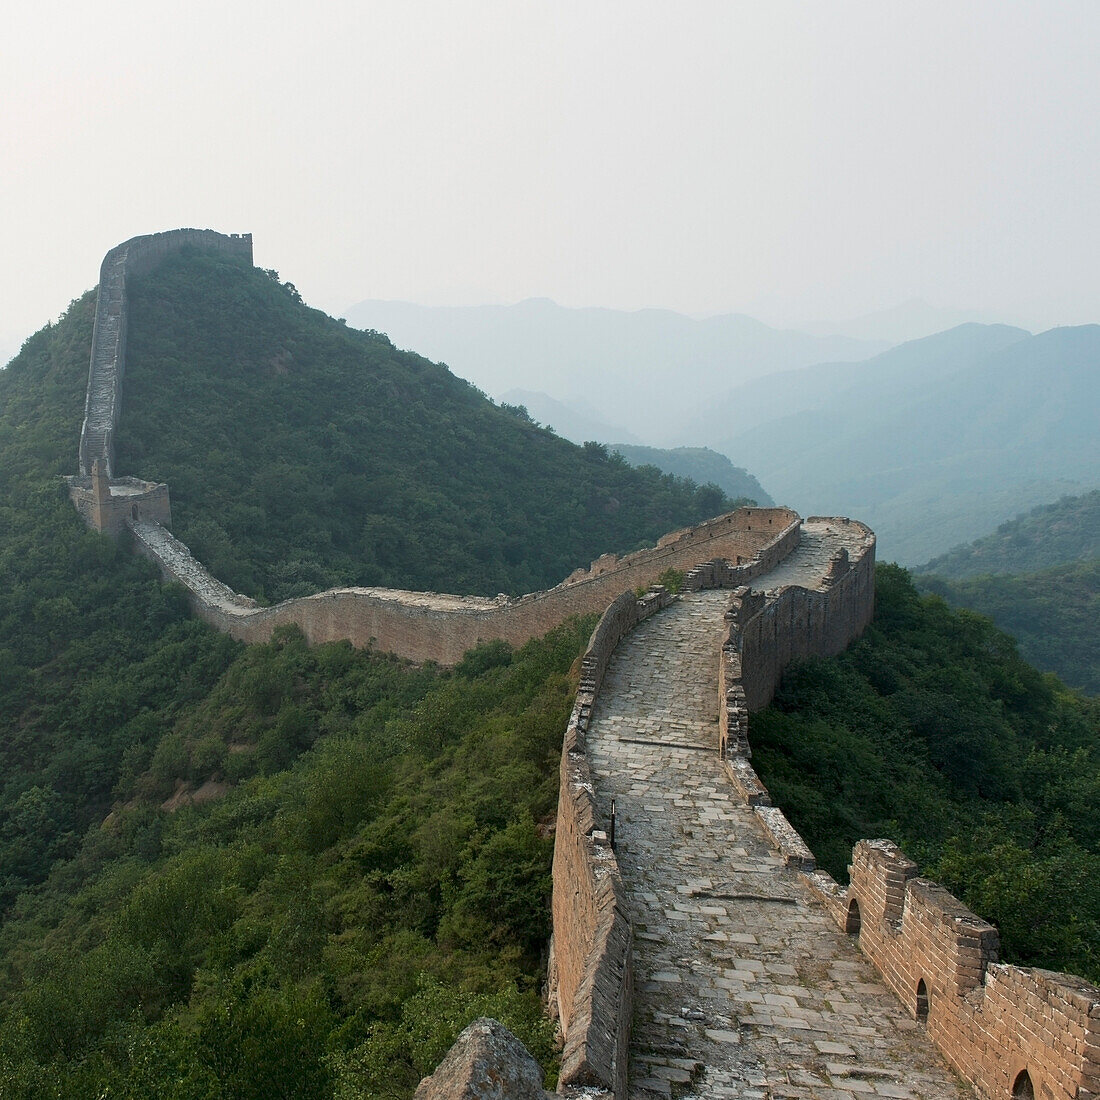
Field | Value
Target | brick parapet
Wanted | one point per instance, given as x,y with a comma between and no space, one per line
993,1021
795,622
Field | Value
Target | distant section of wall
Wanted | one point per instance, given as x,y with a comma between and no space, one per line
417,626
427,627
592,953
801,622
108,357
994,1023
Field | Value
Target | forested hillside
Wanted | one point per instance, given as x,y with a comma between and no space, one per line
1053,614
932,731
371,875
1038,577
1053,534
302,454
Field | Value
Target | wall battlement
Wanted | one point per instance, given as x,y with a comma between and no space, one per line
996,1024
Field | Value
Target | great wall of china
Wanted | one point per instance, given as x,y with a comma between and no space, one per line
697,950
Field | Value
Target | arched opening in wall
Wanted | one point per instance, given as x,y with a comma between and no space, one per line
852,921
922,1002
1022,1088
134,511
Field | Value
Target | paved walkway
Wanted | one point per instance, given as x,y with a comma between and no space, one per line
744,987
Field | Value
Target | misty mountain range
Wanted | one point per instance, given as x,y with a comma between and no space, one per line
937,441
933,442
642,373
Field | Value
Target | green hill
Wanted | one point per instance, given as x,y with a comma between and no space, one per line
371,875
699,464
1038,577
1053,614
302,454
1054,534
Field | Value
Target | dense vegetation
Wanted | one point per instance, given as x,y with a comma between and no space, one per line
1053,614
373,876
303,454
1053,534
931,730
327,927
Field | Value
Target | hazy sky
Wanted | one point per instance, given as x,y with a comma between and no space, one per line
796,161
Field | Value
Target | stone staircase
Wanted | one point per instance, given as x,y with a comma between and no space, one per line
101,407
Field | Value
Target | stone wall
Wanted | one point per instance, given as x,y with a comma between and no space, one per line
441,628
592,969
107,364
110,506
993,1022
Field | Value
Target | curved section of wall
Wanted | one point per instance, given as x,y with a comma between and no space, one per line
993,1022
591,969
108,357
427,627
802,622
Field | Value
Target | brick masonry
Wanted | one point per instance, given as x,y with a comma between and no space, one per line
993,1022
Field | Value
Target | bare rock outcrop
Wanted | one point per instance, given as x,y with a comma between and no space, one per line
487,1062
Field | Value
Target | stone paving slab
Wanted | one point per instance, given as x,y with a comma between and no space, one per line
744,987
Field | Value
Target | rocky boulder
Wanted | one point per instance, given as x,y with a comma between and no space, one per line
487,1062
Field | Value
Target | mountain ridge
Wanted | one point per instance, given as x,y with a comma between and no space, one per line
930,463
640,369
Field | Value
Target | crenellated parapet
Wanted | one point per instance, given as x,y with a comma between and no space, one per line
998,1025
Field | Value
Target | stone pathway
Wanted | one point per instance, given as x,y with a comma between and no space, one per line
189,572
744,987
